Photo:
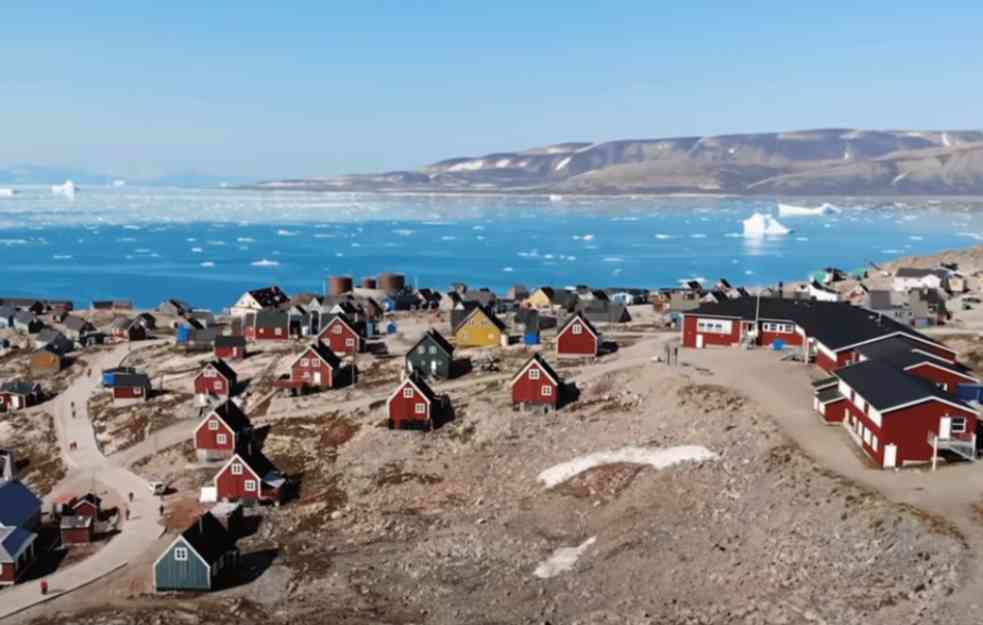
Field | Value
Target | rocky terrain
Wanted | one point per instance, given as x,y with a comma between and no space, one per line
810,162
456,526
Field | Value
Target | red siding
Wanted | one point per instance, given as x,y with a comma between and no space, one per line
128,392
843,359
8,574
790,338
76,536
835,412
404,408
306,374
232,487
939,376
207,439
528,391
229,353
212,385
268,334
938,350
339,343
908,429
710,338
87,508
583,344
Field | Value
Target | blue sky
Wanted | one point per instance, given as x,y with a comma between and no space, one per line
321,88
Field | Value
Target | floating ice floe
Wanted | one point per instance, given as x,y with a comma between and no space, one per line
246,240
658,458
447,238
404,232
286,233
562,560
698,235
760,224
790,210
508,270
265,262
208,263
663,236
62,257
197,250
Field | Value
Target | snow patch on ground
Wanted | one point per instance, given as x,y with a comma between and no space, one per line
658,458
562,559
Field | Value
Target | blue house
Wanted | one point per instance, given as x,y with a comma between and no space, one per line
198,558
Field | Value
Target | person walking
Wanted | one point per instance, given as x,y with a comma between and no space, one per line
131,497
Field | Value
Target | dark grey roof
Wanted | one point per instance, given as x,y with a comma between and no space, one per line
271,319
7,311
76,324
121,323
77,521
324,352
880,299
583,319
25,316
423,386
545,366
230,341
220,365
438,339
901,353
233,416
915,272
130,380
13,541
825,382
259,463
209,538
269,297
884,386
829,394
835,324
19,387
18,504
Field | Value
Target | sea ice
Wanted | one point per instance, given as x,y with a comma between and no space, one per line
759,225
265,263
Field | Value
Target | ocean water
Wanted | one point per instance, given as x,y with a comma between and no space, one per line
208,246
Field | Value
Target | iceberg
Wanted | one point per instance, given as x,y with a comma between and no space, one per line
68,189
790,210
4,192
759,225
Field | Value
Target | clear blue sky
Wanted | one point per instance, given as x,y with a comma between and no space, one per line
319,88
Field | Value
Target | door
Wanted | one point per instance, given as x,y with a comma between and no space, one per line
317,378
890,456
699,341
433,368
945,427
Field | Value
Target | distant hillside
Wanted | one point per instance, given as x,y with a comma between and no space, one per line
810,162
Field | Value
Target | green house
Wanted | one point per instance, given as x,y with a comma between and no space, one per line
432,357
198,558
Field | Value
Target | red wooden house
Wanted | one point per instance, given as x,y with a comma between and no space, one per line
216,380
267,325
317,367
249,475
342,336
230,347
577,337
87,505
415,406
897,418
536,384
16,553
77,529
131,386
223,431
18,394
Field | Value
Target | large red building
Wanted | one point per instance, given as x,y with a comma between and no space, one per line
833,333
342,336
536,384
898,418
577,337
223,430
248,475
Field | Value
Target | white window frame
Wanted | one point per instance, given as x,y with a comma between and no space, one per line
420,408
213,424
305,362
349,342
407,393
221,439
961,429
546,390
577,329
534,374
236,468
336,328
180,554
249,486
277,331
219,385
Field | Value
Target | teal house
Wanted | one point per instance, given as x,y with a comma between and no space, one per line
201,556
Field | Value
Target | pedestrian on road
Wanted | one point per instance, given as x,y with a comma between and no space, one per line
675,355
44,586
162,510
131,497
127,514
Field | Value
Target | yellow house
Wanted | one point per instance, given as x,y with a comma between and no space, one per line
541,298
479,329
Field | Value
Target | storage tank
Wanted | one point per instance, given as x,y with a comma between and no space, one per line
390,282
338,285
368,283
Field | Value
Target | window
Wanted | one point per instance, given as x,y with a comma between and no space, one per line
577,328
349,342
221,439
336,329
713,326
547,390
534,374
866,435
209,373
213,424
219,385
420,408
942,385
433,349
304,362
422,349
180,554
138,391
307,374
250,486
276,331
873,442
408,393
958,425
236,468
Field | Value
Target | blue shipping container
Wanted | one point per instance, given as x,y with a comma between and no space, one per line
183,334
969,392
532,338
108,378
